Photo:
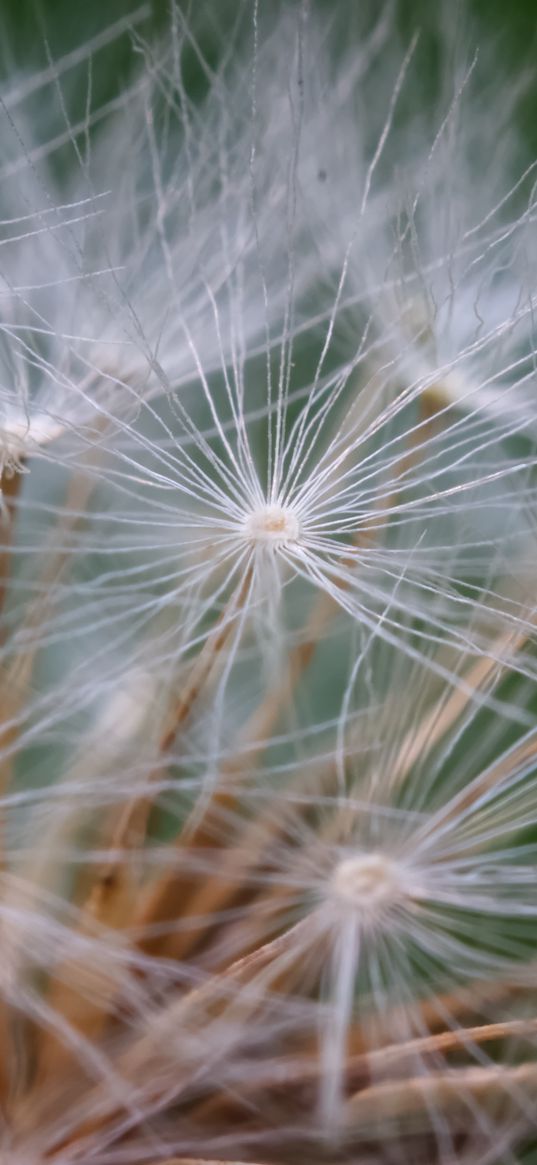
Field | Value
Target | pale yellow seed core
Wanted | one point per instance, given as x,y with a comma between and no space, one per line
367,882
21,433
272,526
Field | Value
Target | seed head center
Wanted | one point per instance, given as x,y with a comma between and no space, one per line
366,882
272,525
20,432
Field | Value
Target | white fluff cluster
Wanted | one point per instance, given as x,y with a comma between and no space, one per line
268,464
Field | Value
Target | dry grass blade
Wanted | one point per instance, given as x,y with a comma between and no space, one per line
10,486
82,994
419,1101
215,892
481,677
294,1082
224,1160
144,1066
14,686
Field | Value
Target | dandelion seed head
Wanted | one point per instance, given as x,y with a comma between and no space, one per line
272,525
267,626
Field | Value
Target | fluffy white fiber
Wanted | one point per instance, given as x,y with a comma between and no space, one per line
268,462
